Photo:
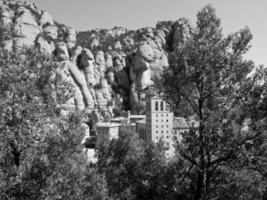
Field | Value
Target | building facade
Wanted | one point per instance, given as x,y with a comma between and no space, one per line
158,124
106,131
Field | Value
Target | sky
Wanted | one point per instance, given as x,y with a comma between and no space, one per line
133,14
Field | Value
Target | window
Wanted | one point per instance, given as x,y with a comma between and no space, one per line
156,131
167,126
157,126
156,106
162,126
167,136
161,131
167,120
161,105
167,115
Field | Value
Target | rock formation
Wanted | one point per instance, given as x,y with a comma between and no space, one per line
102,66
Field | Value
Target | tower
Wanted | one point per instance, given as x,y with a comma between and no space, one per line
159,121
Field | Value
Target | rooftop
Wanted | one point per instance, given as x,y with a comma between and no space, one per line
137,116
118,119
131,117
107,124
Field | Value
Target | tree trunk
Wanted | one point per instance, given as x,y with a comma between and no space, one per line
199,187
200,179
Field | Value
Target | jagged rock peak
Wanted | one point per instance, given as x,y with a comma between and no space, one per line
30,26
105,67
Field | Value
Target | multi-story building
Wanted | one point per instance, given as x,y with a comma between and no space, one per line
106,131
158,124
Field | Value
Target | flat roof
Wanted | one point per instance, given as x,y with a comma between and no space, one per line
137,116
118,119
107,124
128,125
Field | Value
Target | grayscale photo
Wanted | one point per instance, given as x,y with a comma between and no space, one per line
133,100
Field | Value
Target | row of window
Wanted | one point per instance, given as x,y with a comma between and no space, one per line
157,105
167,131
166,137
162,120
167,126
162,115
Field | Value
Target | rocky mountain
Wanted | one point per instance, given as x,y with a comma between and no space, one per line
106,68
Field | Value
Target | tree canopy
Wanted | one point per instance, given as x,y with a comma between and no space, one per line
210,80
41,155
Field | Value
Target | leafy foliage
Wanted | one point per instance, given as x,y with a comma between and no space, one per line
41,156
210,80
137,170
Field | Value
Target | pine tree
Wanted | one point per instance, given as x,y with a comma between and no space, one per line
210,80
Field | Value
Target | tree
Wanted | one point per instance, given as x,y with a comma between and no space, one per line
210,80
119,160
41,154
138,170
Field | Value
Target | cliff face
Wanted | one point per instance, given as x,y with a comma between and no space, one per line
106,68
134,58
30,26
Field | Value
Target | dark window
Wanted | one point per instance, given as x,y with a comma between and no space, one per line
161,105
156,106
